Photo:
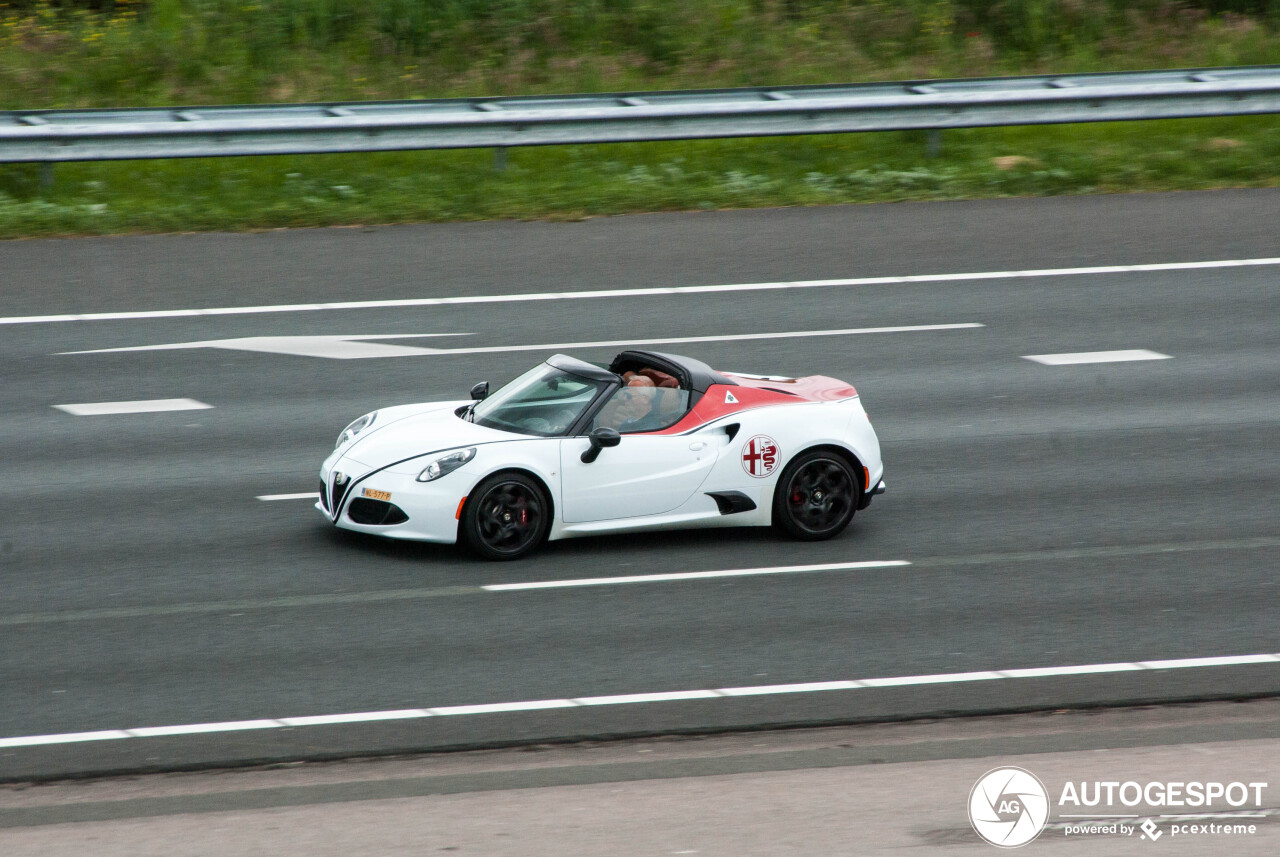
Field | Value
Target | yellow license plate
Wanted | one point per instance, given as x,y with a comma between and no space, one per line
376,494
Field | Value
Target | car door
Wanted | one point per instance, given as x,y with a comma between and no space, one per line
645,474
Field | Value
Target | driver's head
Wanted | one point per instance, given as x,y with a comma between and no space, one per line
634,400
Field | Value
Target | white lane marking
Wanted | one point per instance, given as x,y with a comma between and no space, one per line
360,717
65,738
401,351
1042,672
383,596
1190,663
305,495
771,689
940,678
638,699
1079,357
691,575
353,347
96,409
643,292
500,707
203,728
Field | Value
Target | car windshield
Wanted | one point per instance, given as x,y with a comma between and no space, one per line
545,401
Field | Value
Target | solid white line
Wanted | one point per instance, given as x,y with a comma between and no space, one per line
636,699
1093,669
771,689
643,292
1079,357
499,707
305,495
690,575
146,406
362,717
203,728
939,678
66,738
1184,663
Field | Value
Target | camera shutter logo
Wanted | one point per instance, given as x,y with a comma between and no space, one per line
1008,807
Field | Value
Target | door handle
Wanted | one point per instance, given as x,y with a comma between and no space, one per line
697,445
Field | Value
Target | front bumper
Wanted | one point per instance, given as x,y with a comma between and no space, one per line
395,505
874,492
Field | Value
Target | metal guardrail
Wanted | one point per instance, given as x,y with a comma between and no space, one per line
51,136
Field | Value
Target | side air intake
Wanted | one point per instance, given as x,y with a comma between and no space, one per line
732,502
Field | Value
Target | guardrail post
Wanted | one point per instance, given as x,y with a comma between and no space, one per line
46,175
500,158
933,143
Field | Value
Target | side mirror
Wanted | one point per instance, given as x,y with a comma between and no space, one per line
600,438
479,391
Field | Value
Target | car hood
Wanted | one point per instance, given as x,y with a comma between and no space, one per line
410,430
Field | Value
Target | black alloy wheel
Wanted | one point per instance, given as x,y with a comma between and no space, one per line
816,496
506,516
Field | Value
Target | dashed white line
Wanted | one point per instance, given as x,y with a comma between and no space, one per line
635,699
303,495
96,409
390,596
643,292
691,575
1080,357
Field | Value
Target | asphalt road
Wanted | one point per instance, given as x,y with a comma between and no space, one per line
872,789
1052,515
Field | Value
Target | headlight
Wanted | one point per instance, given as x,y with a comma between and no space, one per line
355,428
446,464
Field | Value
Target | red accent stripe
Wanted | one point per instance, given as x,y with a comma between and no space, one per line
712,405
757,393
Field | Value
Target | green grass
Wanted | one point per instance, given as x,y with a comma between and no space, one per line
167,52
572,182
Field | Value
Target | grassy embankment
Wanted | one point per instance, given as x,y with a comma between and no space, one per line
95,53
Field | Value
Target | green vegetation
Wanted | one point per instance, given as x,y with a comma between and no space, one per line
98,53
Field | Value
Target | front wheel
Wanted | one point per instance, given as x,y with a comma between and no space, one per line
816,496
506,516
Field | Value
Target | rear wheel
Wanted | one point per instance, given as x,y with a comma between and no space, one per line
506,516
816,496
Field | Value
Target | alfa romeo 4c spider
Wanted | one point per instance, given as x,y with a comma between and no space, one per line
570,448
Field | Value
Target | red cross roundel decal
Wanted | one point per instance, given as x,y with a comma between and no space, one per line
760,455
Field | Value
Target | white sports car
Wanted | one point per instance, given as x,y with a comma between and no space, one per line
570,448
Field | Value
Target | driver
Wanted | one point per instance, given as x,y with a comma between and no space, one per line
627,410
